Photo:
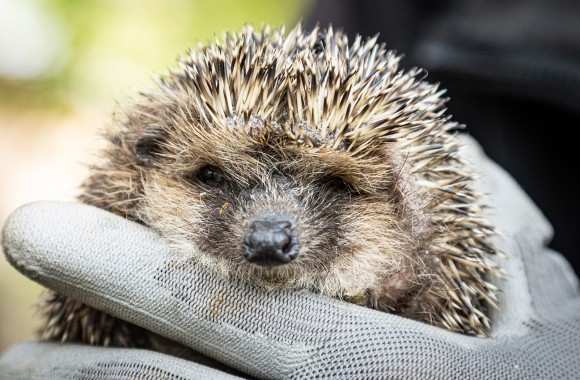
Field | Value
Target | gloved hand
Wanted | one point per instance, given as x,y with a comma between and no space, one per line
128,271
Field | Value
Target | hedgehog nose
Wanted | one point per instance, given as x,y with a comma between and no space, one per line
270,243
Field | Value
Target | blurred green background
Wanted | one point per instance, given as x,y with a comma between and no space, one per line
63,66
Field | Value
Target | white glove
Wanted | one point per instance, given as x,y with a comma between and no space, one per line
128,271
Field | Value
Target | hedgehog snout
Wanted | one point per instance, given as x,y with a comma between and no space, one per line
270,243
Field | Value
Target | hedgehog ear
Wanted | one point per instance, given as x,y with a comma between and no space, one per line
148,145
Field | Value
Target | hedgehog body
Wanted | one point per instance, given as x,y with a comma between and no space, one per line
300,162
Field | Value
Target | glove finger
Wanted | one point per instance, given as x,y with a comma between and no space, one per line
48,360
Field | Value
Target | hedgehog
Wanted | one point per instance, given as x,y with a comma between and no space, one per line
298,161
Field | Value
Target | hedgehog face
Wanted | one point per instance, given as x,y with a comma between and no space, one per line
263,207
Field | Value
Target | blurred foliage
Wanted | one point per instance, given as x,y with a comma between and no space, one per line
114,46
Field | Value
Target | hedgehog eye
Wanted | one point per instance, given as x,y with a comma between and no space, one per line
338,184
210,175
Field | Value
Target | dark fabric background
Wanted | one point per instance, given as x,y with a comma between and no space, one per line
512,70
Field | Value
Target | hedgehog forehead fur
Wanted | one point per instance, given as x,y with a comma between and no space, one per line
348,98
279,115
